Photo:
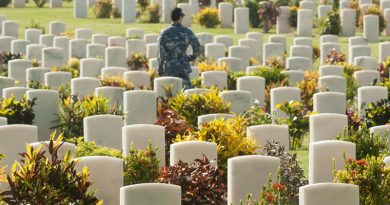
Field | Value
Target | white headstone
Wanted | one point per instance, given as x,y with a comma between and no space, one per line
214,79
46,110
52,57
104,171
139,107
104,130
248,175
91,67
329,193
240,101
55,80
84,86
139,137
269,133
324,155
327,126
151,194
241,20
17,70
187,152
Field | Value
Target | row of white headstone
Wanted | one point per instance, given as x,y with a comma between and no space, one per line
246,174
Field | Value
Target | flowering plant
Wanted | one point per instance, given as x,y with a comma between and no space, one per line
372,176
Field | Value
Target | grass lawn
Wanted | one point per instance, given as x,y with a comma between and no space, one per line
114,27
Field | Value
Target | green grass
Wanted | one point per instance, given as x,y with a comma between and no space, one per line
114,27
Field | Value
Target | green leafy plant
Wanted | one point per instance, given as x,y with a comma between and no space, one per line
291,175
268,13
193,105
138,62
331,24
253,6
201,182
38,179
316,52
4,3
173,123
7,56
297,120
270,74
294,16
103,9
208,17
90,148
17,112
151,14
229,135
378,113
40,3
115,13
367,144
116,81
36,25
308,88
141,166
384,68
372,176
257,115
71,114
277,62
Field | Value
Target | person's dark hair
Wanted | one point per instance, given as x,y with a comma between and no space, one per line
176,14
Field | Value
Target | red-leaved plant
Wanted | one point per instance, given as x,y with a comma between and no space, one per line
201,182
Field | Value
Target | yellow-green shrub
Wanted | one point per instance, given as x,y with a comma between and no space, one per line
208,17
193,105
229,135
103,9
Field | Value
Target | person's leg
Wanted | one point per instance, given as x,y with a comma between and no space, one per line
186,82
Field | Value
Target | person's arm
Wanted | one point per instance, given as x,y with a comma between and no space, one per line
196,47
161,55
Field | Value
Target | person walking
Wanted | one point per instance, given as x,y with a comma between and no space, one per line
172,49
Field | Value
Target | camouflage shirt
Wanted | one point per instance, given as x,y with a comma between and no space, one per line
172,52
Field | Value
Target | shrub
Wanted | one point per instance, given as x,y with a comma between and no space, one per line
35,25
7,56
334,57
331,24
90,148
257,115
372,176
142,4
354,121
308,88
4,3
17,112
173,123
232,79
378,113
103,9
291,174
297,121
141,166
268,88
294,16
316,52
201,182
116,81
151,14
38,179
386,83
352,84
270,74
253,7
193,105
268,13
384,68
374,10
367,144
208,18
229,135
208,66
115,13
71,114
138,62
73,67
276,62
40,3
270,194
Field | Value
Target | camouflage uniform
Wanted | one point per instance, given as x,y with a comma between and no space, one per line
172,53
